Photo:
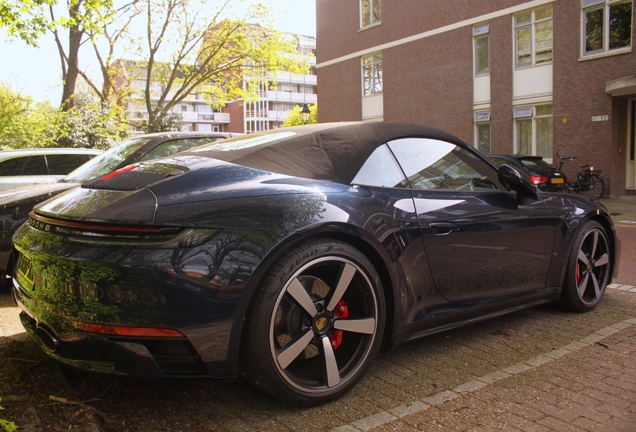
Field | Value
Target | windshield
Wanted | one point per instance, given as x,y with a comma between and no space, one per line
105,162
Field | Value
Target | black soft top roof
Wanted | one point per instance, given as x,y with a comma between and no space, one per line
324,151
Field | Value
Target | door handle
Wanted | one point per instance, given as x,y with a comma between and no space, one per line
442,228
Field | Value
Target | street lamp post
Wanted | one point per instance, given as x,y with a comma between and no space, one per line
305,113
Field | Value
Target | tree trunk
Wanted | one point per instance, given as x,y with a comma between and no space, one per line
72,71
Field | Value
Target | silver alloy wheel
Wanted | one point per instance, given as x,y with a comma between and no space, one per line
592,267
315,348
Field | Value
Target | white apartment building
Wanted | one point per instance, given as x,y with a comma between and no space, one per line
271,110
238,116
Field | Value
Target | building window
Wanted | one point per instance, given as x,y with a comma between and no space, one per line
369,12
372,74
482,131
533,130
607,25
482,49
533,37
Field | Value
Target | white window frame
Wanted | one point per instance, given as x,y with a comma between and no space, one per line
482,118
373,21
376,80
532,27
592,5
525,113
480,33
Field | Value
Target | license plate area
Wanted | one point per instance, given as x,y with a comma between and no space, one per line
556,180
25,271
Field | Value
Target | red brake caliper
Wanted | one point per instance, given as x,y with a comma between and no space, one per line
342,311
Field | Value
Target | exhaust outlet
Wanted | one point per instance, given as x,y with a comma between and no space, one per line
47,337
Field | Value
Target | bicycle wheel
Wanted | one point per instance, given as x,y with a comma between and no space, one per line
594,189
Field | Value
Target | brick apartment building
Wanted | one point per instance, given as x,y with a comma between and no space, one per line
507,76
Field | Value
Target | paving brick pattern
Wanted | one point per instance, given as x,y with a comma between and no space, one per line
587,385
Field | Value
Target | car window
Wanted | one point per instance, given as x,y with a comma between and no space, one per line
107,161
437,165
35,165
536,164
62,164
499,162
169,148
381,170
12,167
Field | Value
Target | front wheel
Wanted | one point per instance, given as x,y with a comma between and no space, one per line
588,270
594,188
314,325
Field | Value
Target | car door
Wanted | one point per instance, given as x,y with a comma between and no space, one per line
479,240
384,208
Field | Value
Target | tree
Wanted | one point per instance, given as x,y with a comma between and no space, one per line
90,123
25,19
24,124
220,59
85,17
293,118
81,22
170,122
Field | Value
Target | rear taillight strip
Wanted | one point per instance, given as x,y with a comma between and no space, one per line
48,224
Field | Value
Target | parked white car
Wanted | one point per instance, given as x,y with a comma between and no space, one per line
25,167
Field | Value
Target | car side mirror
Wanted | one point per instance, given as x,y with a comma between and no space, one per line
518,182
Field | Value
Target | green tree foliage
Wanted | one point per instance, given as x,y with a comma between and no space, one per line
172,121
90,123
25,124
190,48
25,19
293,119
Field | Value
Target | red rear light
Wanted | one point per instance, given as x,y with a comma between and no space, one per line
539,179
126,331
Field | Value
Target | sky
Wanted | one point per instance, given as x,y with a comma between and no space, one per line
36,72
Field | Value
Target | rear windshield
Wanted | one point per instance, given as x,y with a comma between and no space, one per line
536,164
105,162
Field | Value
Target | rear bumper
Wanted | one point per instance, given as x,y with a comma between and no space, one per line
114,355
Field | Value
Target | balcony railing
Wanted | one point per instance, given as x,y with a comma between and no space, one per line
298,98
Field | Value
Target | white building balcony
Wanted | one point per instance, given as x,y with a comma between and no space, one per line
297,98
221,117
277,115
194,117
298,79
190,116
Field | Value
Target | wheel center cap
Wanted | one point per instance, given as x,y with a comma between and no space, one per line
322,323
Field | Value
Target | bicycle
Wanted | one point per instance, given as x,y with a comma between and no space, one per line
588,181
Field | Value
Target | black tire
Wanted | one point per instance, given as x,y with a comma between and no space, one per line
595,189
298,344
588,270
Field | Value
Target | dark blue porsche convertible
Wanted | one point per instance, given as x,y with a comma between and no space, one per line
294,256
